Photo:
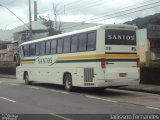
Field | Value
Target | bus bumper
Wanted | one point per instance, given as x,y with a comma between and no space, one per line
117,83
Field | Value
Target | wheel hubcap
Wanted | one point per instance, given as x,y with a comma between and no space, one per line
68,83
26,79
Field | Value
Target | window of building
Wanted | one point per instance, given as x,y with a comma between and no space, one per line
60,46
53,46
67,45
42,48
26,50
32,49
48,47
74,43
91,43
82,42
37,48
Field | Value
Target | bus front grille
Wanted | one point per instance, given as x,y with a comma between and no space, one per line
88,74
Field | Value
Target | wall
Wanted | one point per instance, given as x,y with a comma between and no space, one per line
8,70
150,75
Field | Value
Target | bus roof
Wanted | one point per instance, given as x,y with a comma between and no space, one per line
80,31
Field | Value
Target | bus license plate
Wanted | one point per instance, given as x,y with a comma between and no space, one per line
122,74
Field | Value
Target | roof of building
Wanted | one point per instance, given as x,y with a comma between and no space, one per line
36,25
7,35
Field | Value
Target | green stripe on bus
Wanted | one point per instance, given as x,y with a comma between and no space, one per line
119,53
80,60
96,60
28,60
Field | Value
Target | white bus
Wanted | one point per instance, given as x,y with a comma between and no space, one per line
96,57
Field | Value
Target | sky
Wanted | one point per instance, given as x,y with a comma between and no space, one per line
87,11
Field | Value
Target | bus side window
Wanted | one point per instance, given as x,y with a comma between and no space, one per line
21,52
67,45
74,43
48,47
82,42
32,49
37,48
43,48
60,46
91,43
53,46
26,50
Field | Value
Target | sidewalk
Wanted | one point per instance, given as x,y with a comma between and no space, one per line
141,88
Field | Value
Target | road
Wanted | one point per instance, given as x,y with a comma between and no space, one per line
15,97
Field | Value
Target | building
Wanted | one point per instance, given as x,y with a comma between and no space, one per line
149,43
40,31
7,52
142,44
153,35
20,34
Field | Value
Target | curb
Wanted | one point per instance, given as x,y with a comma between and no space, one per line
140,90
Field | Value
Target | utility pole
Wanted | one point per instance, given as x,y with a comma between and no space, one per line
30,21
35,10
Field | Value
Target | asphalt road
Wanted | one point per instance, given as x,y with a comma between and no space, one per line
17,98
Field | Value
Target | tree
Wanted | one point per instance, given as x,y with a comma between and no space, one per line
145,21
53,26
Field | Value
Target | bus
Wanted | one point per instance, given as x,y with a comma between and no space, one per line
97,57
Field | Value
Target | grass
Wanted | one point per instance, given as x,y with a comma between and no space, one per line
153,63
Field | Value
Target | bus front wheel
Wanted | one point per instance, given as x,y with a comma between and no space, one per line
68,82
26,79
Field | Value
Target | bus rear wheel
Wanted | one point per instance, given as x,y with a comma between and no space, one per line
26,79
68,82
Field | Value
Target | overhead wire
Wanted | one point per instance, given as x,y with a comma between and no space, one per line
117,15
86,6
73,8
114,12
127,10
108,15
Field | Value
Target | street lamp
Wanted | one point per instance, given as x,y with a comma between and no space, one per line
28,28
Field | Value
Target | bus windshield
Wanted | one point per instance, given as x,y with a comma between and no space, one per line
120,37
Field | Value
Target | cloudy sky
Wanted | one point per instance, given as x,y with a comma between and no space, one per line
101,11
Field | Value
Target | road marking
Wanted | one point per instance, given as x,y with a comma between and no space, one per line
60,116
58,91
94,97
153,108
13,84
34,88
7,99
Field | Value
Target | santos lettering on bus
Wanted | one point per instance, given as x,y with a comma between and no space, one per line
121,37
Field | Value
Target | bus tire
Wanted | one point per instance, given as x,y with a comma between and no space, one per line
68,82
26,79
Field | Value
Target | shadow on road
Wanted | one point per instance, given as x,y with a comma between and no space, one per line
107,92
